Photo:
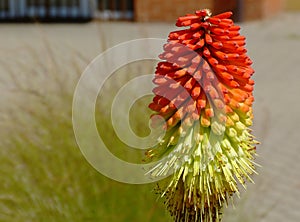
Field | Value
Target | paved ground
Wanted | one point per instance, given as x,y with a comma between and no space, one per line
274,46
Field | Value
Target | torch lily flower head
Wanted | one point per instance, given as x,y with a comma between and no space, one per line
204,93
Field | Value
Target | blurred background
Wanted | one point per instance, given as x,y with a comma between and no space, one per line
44,48
139,11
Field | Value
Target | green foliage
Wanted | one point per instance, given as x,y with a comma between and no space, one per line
43,175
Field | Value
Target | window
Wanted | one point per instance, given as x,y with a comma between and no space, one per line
36,3
68,3
115,9
118,5
4,5
55,3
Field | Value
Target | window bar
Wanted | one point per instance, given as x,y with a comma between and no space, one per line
73,8
42,7
11,9
112,9
47,8
29,10
52,8
130,10
63,9
21,8
81,8
106,10
118,10
100,5
123,9
2,7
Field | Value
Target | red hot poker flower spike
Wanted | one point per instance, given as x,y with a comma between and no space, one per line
204,93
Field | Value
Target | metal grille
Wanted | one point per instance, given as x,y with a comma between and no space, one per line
115,9
46,10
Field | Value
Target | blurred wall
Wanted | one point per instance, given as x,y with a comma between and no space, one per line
293,5
273,7
169,10
227,5
261,9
